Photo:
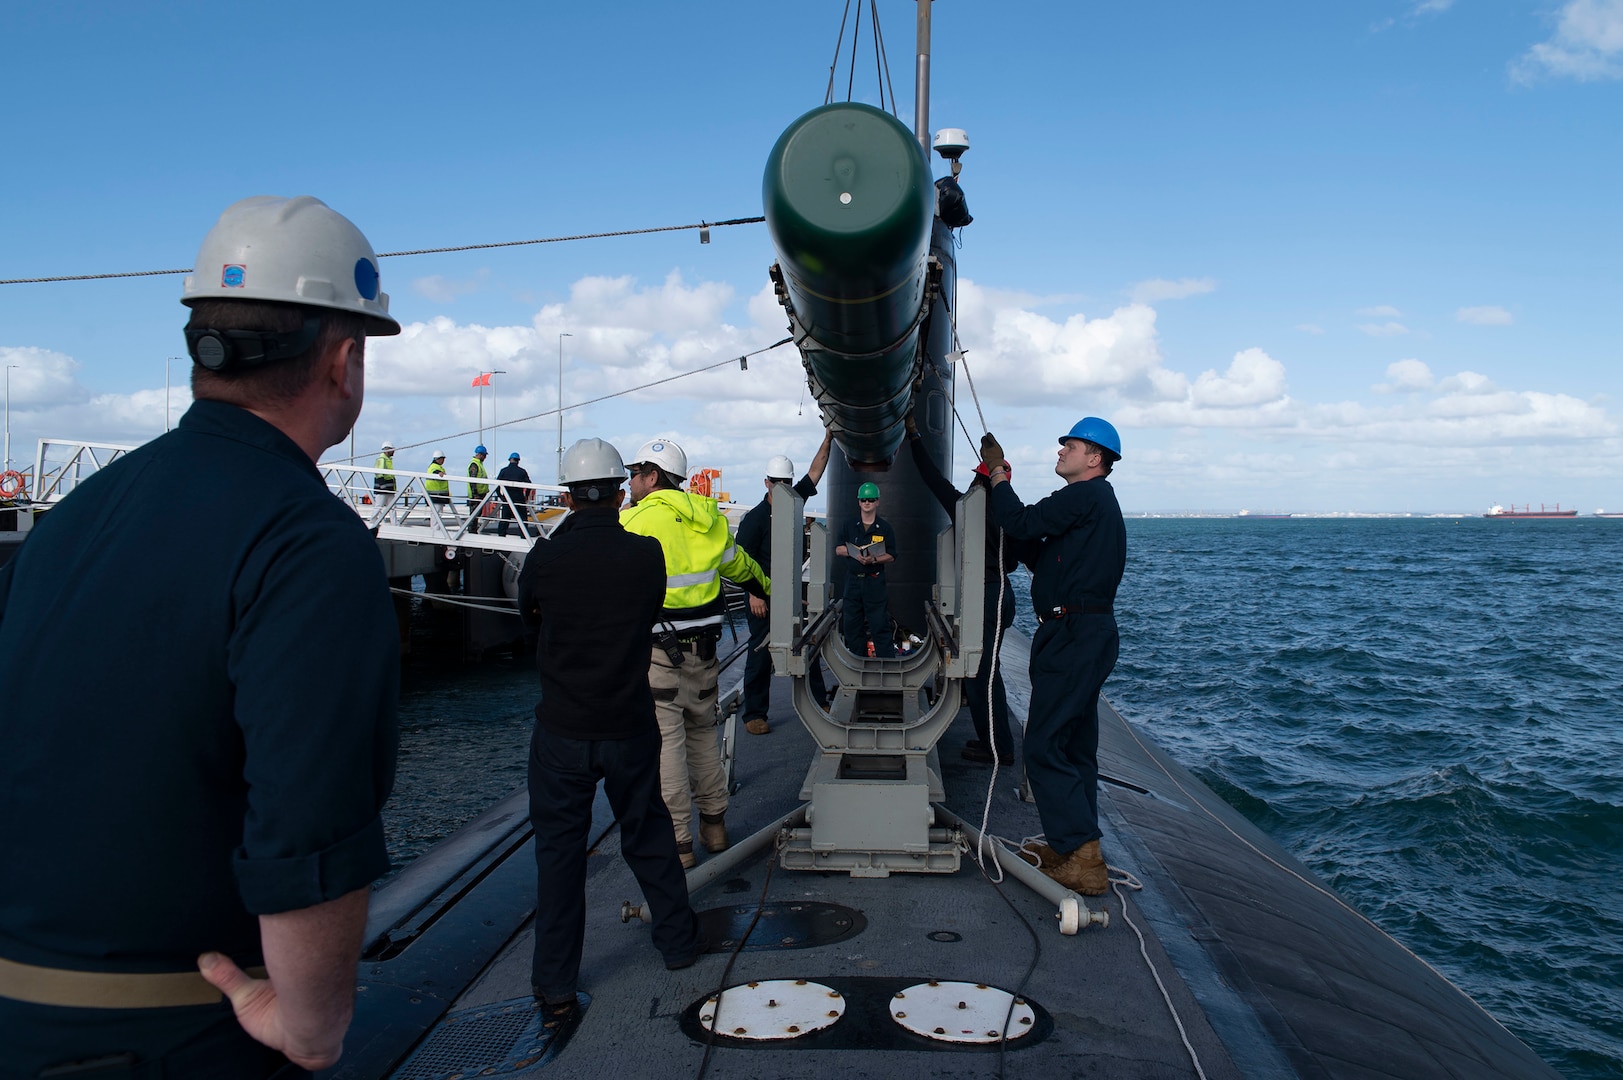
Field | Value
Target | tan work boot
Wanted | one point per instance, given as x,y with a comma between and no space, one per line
1083,871
684,851
757,726
1047,858
713,832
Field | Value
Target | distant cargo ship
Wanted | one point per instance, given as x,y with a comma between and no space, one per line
1613,514
1528,512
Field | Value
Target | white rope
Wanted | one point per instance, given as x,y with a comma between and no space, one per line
1133,883
991,726
440,598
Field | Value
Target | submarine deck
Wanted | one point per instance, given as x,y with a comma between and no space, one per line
1267,972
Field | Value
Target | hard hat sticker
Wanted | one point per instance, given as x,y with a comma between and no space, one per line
234,275
366,279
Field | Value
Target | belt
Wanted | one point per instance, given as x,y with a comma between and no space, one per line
1050,614
108,989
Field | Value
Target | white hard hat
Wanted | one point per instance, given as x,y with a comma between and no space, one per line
297,251
387,445
437,455
780,468
666,454
592,459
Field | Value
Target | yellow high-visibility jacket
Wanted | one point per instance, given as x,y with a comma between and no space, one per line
476,468
439,486
384,481
699,552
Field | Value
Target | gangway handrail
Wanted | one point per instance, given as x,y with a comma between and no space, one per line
412,513
52,485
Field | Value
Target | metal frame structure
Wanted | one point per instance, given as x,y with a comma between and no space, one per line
409,513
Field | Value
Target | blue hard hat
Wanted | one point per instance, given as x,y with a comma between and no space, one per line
480,449
513,456
1096,431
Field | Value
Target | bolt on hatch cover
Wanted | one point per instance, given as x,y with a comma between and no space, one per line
772,1010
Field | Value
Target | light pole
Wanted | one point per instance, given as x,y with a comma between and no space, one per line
493,424
561,405
166,362
7,467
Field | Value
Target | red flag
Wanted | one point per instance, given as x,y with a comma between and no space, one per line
482,380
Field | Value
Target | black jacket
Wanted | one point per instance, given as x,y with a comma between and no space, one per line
593,590
1014,551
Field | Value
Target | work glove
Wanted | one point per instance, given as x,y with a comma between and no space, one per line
991,452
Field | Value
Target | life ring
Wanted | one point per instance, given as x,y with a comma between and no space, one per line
12,484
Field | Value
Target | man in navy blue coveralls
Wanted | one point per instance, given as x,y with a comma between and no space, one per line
867,599
755,537
1075,574
199,794
593,590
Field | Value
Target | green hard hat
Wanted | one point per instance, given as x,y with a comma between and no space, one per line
868,491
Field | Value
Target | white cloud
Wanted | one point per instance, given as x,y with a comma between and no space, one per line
1587,45
444,290
1484,316
1383,311
1406,375
1148,292
1386,329
1432,7
1310,328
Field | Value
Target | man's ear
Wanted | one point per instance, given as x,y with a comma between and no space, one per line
343,366
568,499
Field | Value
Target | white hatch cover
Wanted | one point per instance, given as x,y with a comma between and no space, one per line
773,1010
960,1012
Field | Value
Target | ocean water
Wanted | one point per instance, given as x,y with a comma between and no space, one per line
1428,712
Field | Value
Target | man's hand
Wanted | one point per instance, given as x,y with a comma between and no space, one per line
757,606
259,1013
991,452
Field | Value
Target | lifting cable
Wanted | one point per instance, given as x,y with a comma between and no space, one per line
420,251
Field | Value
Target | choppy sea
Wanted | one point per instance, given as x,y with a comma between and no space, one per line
1426,711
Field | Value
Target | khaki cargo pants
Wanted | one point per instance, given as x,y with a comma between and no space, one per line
690,770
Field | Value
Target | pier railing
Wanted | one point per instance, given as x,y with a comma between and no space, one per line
60,465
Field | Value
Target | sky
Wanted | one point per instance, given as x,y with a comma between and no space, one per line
1309,258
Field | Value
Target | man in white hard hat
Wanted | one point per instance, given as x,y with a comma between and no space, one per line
755,537
383,483
699,552
592,590
194,899
437,487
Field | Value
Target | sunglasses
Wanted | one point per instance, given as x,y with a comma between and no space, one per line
867,500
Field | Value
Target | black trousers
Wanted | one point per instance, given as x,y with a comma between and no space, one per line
758,672
1070,660
183,1043
867,616
975,688
563,779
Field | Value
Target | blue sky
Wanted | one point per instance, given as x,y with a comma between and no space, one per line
1308,257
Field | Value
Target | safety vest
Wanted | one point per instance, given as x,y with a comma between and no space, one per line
477,468
441,486
699,552
384,481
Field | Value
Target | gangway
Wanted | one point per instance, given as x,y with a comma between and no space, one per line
413,514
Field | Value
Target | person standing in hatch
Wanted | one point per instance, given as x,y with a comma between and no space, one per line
870,543
161,845
755,537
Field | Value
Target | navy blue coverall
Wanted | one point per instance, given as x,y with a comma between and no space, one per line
225,755
996,733
1075,574
755,537
594,590
867,598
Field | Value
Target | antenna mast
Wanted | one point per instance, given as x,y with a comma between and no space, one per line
921,85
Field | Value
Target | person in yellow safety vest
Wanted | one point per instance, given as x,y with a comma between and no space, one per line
437,486
383,484
476,471
682,671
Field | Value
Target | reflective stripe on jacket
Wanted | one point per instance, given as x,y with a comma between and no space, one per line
699,552
476,468
441,486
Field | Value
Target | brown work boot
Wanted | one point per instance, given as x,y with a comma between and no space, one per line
684,851
1082,870
713,832
757,726
1047,858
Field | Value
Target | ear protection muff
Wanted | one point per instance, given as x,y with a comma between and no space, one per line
233,350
